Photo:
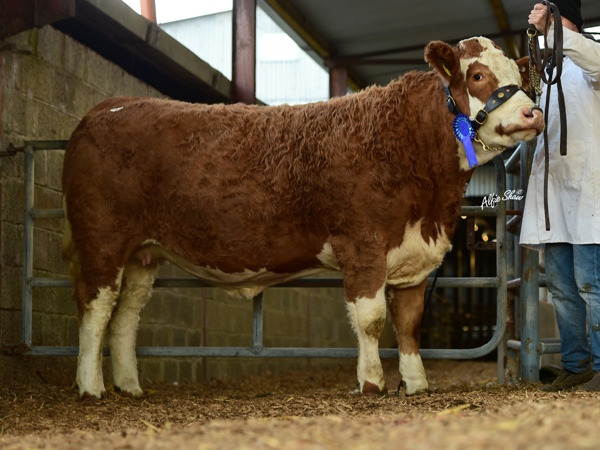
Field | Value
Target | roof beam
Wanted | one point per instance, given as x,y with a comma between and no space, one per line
504,26
17,16
370,58
114,31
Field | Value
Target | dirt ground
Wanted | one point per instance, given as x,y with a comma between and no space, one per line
465,409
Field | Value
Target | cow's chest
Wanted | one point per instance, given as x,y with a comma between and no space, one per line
415,258
411,262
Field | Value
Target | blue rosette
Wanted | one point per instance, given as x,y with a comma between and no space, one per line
464,132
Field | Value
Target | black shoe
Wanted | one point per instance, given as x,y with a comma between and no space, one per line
593,385
568,380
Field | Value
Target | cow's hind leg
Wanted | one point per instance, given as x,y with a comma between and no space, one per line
122,329
406,309
94,318
367,315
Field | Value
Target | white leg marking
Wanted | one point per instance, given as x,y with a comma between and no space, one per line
91,331
122,329
413,373
367,316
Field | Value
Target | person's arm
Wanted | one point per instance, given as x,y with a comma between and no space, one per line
584,52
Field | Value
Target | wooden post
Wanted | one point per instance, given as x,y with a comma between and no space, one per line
338,81
244,51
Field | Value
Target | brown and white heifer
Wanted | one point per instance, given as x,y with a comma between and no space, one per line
245,197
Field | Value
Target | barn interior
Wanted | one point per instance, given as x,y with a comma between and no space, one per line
60,57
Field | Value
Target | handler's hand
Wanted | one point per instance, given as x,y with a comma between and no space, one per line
537,17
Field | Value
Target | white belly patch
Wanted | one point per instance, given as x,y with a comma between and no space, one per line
410,263
407,265
246,284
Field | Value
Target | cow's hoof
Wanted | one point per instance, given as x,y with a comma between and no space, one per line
412,388
132,393
372,390
415,386
417,392
87,397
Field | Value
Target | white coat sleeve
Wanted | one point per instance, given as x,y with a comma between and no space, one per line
584,52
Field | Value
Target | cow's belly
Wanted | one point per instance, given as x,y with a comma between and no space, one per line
246,284
409,264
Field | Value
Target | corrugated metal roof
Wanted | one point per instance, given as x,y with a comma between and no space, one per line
354,31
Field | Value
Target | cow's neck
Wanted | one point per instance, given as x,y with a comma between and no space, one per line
424,124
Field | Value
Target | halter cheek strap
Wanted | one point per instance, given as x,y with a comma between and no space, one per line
498,97
466,129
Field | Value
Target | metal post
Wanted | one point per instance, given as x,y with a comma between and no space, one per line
530,335
257,323
530,349
501,269
148,8
508,357
27,307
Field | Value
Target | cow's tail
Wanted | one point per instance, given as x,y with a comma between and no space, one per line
69,251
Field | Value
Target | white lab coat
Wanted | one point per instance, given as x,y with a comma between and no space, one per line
574,179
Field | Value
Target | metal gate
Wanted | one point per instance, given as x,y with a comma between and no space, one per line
256,348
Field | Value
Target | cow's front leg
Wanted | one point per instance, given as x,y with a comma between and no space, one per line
406,309
367,316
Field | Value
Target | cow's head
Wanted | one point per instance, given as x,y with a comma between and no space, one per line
473,71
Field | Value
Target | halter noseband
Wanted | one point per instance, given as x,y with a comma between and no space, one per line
498,97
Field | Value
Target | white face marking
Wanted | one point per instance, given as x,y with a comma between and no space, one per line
368,314
413,373
91,331
123,327
508,114
504,68
410,263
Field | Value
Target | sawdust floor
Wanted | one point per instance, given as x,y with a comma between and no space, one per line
466,409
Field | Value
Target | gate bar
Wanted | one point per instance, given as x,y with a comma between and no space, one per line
314,282
257,349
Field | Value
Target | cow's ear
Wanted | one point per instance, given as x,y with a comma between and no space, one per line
441,57
523,65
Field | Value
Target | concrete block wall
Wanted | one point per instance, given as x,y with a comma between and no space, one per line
48,82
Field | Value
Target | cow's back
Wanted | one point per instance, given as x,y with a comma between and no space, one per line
236,187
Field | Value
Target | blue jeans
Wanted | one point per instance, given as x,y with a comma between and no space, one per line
573,279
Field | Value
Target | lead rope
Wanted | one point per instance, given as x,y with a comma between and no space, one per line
542,68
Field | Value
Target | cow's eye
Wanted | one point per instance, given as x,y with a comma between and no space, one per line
478,77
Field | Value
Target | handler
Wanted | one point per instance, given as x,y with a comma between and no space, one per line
572,245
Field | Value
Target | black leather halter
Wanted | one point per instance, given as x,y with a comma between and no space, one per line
498,97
